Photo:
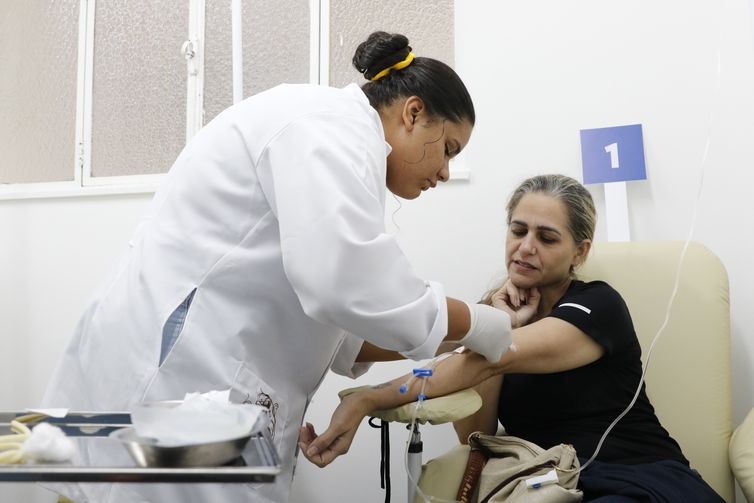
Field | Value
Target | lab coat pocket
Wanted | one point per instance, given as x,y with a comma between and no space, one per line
248,387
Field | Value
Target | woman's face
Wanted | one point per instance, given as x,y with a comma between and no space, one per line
422,147
539,249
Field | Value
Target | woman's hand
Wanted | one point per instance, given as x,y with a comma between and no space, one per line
520,304
336,439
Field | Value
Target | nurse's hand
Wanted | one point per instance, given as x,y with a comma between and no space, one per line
336,439
521,304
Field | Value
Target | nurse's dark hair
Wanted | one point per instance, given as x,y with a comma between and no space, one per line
578,202
438,85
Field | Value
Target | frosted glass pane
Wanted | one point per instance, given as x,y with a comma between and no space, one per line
275,48
38,57
428,24
139,94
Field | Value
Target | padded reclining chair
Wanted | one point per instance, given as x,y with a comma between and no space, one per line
688,380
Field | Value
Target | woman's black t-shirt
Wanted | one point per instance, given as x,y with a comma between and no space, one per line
576,406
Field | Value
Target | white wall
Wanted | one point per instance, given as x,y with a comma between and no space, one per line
538,71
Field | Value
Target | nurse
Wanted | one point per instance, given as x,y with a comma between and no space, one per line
263,260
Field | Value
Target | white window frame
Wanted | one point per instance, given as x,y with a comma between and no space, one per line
194,80
83,183
66,188
319,37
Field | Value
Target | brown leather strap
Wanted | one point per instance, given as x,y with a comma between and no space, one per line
477,460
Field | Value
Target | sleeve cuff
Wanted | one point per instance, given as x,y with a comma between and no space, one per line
428,348
345,363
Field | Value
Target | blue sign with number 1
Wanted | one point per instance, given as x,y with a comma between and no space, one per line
613,154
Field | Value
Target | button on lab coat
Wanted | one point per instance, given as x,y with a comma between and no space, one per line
273,215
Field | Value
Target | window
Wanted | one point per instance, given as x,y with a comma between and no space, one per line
38,54
99,96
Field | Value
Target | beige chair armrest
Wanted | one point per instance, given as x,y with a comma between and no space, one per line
741,454
443,409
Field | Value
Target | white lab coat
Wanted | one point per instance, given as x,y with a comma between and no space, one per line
274,214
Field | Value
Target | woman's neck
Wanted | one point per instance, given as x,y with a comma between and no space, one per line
550,295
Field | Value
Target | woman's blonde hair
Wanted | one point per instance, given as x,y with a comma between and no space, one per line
582,215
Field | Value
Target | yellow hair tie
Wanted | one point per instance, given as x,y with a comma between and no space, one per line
400,65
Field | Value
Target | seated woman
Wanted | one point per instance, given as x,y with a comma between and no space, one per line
575,369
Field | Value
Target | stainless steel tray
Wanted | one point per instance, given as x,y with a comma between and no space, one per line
261,463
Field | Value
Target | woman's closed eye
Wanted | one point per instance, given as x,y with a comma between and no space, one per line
544,237
548,239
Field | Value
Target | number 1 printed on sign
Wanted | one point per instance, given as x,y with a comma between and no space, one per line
612,149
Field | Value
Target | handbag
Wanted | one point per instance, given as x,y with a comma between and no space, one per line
499,466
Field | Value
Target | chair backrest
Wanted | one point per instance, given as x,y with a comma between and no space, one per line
688,380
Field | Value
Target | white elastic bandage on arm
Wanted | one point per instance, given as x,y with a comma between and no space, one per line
490,332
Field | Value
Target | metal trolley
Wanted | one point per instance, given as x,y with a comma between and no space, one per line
260,462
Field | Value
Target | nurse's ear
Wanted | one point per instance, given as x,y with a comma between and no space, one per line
413,108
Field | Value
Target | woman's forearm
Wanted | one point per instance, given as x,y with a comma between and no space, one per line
456,372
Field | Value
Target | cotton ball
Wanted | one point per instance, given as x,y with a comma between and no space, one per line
48,443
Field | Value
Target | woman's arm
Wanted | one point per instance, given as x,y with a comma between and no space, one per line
546,346
458,371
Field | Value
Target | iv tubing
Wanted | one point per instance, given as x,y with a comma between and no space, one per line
678,268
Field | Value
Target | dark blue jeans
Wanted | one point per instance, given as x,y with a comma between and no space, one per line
659,482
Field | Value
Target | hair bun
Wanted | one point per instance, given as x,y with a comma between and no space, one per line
379,51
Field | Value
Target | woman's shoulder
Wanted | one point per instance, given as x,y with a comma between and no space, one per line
599,311
596,287
596,294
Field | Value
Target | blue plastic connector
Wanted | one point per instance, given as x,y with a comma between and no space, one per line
423,372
